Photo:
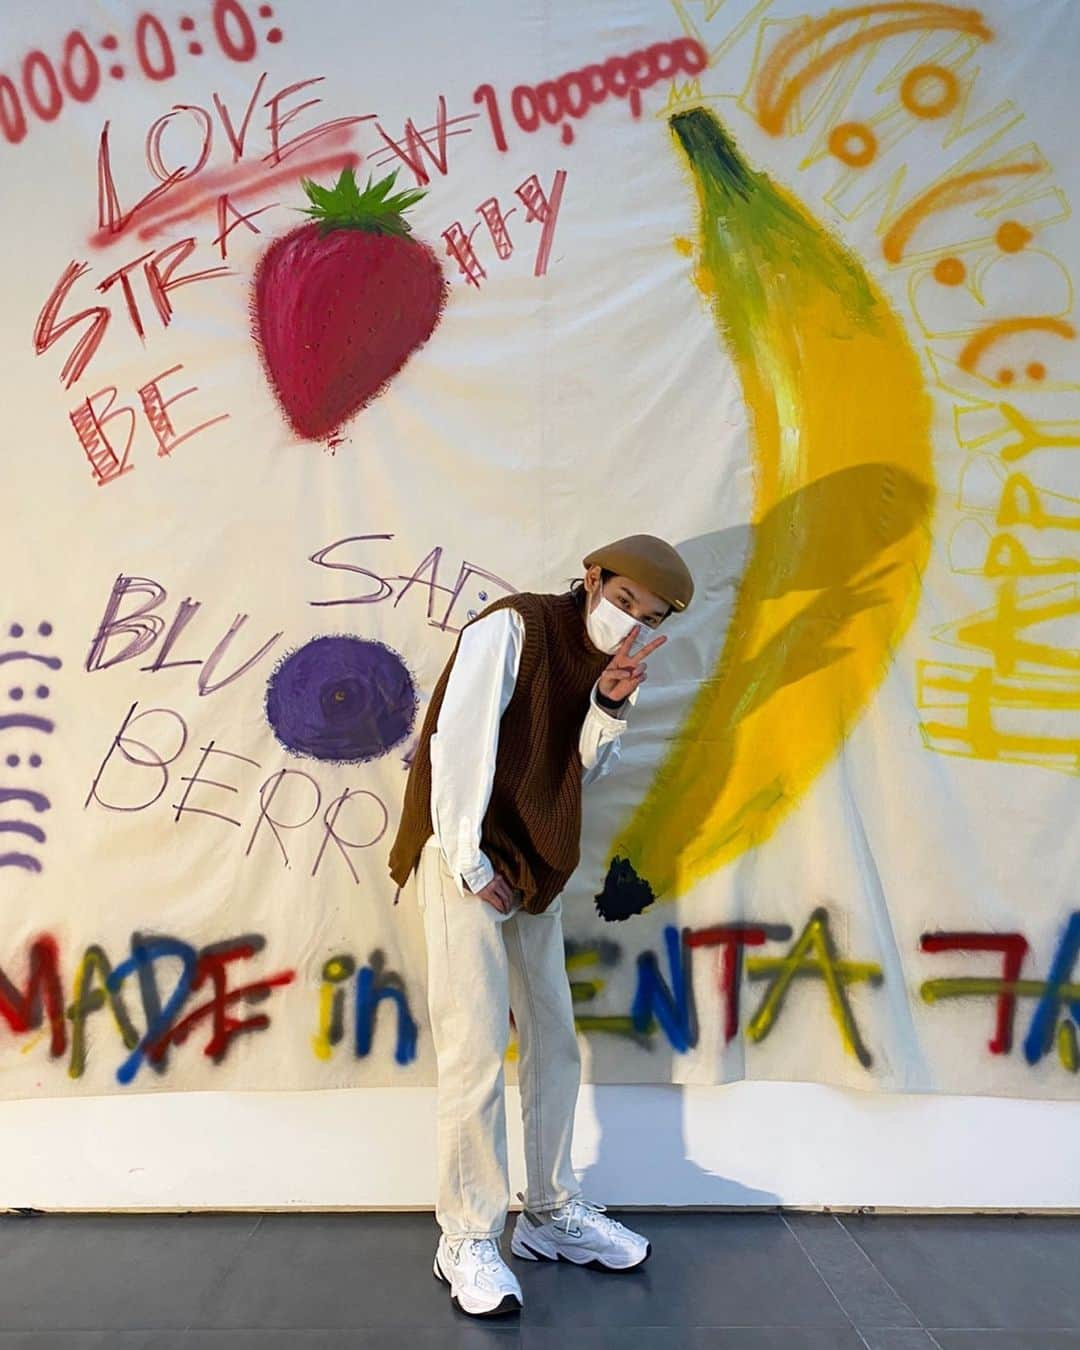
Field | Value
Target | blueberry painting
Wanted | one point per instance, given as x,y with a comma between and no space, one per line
341,699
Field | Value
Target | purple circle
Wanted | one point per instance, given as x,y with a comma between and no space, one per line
341,699
15,693
45,628
42,691
16,630
35,761
13,761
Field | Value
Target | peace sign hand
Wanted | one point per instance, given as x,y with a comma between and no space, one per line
624,672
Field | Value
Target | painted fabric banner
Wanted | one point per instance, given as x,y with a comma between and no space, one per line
788,285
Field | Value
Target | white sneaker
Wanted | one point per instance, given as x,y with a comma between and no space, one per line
579,1232
481,1283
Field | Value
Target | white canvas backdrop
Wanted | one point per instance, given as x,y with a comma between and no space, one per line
544,413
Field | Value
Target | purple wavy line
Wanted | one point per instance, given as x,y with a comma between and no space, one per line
37,800
23,827
29,720
23,860
53,662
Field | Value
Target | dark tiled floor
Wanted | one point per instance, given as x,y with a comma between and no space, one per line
734,1281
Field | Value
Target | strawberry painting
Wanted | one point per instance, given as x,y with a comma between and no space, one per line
340,304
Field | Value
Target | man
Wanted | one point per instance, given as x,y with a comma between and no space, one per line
529,706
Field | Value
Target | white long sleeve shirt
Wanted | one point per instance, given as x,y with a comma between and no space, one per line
466,738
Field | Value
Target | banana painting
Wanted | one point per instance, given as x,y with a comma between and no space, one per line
840,428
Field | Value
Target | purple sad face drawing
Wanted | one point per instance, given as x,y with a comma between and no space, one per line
341,699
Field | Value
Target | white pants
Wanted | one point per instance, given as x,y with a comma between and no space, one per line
480,965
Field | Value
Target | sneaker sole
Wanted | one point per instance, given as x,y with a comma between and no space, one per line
531,1254
510,1303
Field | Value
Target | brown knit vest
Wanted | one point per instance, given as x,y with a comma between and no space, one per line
532,829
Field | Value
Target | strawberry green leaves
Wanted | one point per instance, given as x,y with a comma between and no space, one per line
375,209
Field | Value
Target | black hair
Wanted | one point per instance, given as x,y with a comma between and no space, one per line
577,586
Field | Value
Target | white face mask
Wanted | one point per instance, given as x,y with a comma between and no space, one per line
607,625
